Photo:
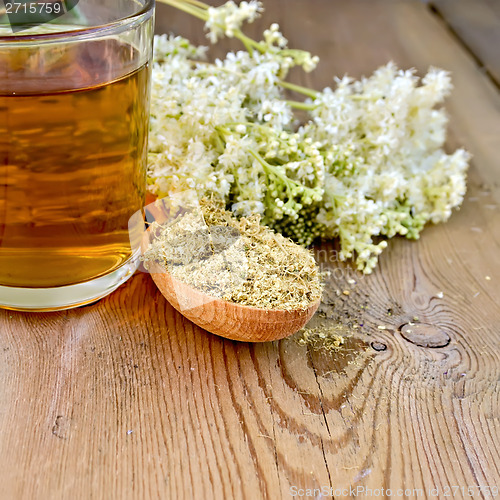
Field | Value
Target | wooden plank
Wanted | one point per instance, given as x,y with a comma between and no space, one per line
477,24
126,399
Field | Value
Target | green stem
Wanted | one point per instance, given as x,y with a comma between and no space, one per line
269,168
222,130
249,42
302,105
298,88
199,10
201,5
219,143
187,7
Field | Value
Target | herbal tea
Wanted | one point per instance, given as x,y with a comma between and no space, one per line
72,162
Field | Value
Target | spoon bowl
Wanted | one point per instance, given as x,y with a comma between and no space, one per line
228,319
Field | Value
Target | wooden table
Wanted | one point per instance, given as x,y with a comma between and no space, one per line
126,399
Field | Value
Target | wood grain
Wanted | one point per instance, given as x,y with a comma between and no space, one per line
476,24
127,399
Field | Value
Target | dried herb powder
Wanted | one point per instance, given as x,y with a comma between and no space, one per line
327,338
239,261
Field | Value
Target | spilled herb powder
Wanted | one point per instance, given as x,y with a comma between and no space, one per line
239,261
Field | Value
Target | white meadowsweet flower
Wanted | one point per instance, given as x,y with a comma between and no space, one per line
228,18
368,162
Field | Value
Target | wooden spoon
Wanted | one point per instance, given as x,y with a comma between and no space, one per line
230,320
227,319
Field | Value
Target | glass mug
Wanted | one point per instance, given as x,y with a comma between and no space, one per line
74,117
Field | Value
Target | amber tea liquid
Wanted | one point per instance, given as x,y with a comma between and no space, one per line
72,162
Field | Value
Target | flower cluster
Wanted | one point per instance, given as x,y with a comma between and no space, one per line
368,162
228,19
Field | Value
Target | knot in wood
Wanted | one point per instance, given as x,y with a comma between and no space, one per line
378,346
424,335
